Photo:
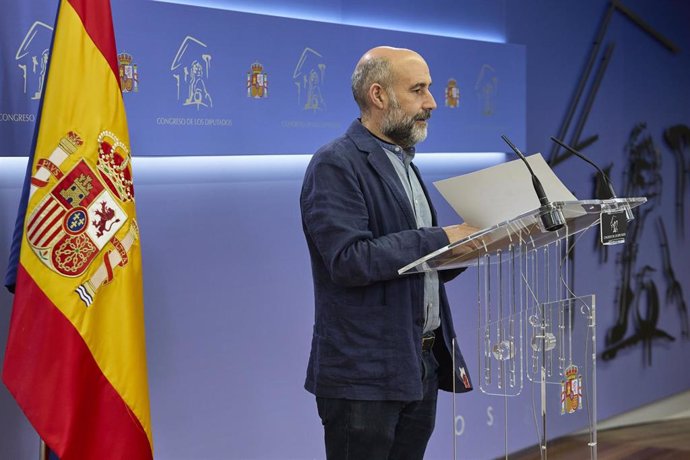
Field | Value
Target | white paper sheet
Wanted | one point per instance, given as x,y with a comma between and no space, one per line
493,195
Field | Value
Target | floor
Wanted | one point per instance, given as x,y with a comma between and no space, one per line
663,440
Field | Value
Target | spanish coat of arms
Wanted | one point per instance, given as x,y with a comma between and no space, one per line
81,214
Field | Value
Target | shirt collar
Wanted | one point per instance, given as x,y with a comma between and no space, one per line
405,155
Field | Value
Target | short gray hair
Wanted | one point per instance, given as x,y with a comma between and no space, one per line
375,70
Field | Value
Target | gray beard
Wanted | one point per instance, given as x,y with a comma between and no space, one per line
402,129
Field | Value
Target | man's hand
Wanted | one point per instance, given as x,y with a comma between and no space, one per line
458,232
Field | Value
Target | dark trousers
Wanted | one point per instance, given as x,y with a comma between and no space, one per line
381,430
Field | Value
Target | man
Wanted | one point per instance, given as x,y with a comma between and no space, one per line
382,342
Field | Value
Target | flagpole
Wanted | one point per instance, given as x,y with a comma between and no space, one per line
44,451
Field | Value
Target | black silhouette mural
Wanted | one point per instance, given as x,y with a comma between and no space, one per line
637,295
674,290
638,302
677,138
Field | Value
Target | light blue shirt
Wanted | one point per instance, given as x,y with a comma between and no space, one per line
401,160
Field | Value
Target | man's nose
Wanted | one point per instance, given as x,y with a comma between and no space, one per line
430,102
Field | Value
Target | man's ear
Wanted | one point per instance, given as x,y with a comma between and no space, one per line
378,96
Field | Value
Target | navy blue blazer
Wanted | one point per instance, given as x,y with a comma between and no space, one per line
360,229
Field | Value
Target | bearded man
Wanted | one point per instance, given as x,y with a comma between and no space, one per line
382,343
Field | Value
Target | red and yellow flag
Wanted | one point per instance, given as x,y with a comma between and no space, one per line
76,359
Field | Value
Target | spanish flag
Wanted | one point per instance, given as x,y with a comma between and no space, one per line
75,359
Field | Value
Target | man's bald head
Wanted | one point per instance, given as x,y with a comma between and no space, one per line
378,65
390,53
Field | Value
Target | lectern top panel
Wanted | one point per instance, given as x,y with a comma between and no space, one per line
525,230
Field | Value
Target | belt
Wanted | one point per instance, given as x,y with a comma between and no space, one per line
428,342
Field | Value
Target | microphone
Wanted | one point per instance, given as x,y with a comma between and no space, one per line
628,212
551,217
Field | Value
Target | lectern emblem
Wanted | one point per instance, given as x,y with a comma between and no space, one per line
614,225
571,391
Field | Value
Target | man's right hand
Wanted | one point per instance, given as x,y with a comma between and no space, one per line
458,232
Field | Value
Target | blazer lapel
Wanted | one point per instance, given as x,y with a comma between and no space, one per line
382,165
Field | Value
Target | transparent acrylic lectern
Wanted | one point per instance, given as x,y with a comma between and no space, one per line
531,325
